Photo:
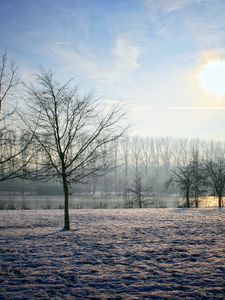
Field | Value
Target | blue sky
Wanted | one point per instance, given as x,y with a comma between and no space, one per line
165,59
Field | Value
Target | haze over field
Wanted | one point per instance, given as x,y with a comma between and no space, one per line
165,59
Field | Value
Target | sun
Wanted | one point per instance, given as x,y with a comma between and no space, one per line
212,77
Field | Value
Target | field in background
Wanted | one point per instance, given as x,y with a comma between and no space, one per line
56,202
100,201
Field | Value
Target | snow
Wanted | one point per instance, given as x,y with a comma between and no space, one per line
113,254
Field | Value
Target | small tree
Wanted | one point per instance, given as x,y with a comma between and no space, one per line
216,172
138,190
191,179
72,136
182,177
199,179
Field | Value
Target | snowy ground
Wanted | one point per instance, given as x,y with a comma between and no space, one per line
113,254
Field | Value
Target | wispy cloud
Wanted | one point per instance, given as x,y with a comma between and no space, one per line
197,108
126,56
63,43
124,61
164,15
166,6
175,19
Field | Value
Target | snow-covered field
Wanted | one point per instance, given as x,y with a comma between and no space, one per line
113,254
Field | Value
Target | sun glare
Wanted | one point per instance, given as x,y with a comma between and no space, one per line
212,77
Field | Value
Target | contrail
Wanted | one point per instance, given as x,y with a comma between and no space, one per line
197,108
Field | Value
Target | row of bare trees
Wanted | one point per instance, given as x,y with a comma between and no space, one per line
145,164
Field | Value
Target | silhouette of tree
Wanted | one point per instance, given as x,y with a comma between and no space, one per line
73,137
216,171
12,160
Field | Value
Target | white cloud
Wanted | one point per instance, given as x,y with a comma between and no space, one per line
124,62
126,57
161,15
71,59
166,6
63,43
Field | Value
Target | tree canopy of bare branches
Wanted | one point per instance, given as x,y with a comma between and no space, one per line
182,177
73,138
216,172
13,141
9,78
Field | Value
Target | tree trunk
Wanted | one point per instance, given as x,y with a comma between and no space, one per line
139,201
188,199
220,201
66,205
196,201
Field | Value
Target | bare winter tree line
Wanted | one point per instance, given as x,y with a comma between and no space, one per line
144,168
160,166
65,138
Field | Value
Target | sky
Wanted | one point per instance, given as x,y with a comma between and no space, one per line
163,59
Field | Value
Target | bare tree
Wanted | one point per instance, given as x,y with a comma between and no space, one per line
138,189
146,158
182,177
116,164
198,175
216,171
74,136
125,162
9,78
12,159
139,185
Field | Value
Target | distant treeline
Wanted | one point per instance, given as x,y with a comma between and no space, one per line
138,161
